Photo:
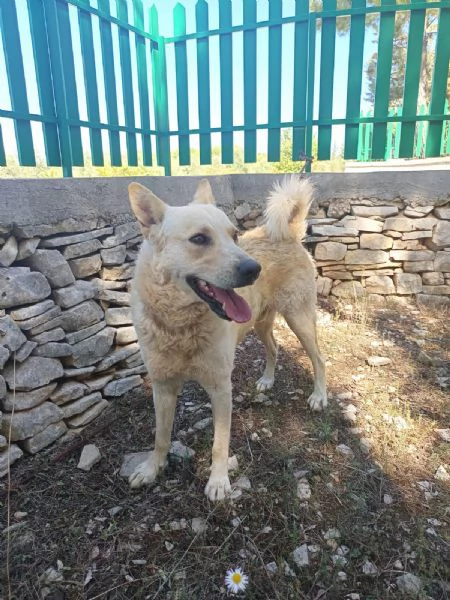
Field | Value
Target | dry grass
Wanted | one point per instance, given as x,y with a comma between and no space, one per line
124,556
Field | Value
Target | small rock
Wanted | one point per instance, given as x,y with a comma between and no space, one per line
339,560
157,528
378,361
199,525
409,585
344,450
345,397
369,568
400,423
365,445
442,474
233,464
175,526
303,490
90,455
235,494
271,568
266,529
387,499
180,451
115,510
443,434
398,565
430,358
203,424
332,534
169,546
300,556
131,461
260,398
349,413
243,483
52,575
341,576
19,515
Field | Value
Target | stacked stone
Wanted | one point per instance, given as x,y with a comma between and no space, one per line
377,251
67,344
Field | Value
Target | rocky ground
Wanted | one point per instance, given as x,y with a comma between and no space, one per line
352,503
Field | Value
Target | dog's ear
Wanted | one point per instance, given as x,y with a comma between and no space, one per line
204,194
147,207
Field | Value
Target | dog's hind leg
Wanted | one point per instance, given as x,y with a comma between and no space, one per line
302,321
264,330
165,400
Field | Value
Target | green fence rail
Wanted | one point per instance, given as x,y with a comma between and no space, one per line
124,100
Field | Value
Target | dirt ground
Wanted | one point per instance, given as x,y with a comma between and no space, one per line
363,489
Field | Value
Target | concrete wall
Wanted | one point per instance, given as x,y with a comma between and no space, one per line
67,250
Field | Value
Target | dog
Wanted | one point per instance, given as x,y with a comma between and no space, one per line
189,318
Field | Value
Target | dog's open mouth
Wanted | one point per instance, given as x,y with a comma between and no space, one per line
224,302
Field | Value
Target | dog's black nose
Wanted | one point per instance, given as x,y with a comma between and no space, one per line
249,270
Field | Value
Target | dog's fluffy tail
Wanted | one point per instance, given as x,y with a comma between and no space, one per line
287,208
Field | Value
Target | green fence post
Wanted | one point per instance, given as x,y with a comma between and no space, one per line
440,82
2,150
58,69
327,52
310,90
44,81
354,82
159,73
142,75
109,77
250,99
383,81
127,82
274,59
181,77
226,82
204,99
16,80
90,83
300,77
412,80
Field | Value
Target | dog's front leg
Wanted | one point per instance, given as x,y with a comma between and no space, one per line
165,399
218,485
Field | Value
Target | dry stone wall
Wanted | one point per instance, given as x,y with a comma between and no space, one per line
367,249
67,344
67,253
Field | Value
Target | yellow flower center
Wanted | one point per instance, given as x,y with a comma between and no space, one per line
237,578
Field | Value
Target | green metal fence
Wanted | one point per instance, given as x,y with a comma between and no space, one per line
132,56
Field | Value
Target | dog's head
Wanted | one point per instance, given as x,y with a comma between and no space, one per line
196,245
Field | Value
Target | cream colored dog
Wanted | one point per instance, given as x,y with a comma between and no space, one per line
189,318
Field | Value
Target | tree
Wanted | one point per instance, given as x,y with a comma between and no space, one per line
399,54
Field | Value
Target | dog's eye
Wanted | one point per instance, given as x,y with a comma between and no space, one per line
200,239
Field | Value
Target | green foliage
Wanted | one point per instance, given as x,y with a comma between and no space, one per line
285,165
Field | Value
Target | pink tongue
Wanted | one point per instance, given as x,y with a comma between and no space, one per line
234,305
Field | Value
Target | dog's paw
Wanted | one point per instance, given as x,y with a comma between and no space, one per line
218,488
264,383
317,401
144,474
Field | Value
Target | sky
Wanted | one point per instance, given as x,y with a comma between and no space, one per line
165,11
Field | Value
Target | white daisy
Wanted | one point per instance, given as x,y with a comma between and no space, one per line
235,580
